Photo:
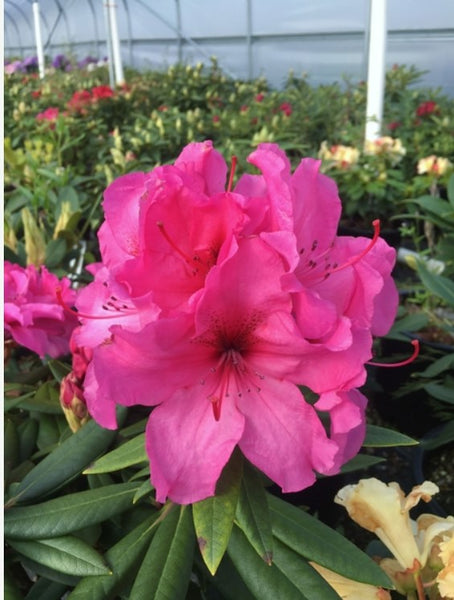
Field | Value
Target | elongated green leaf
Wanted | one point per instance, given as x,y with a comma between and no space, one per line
444,393
307,536
229,582
130,453
10,589
213,517
380,437
301,574
51,574
67,554
68,513
361,461
124,559
444,363
266,582
253,515
67,461
144,490
166,569
44,589
437,284
451,190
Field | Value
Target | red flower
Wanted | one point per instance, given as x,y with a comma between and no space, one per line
163,108
216,118
259,97
36,94
286,108
50,114
102,91
426,108
244,108
393,125
79,100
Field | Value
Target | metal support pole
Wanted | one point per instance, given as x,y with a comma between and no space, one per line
109,44
376,69
118,66
38,39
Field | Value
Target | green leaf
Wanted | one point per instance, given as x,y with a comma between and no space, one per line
10,589
229,582
65,462
68,513
444,393
67,554
437,284
451,190
414,322
314,540
28,432
253,515
131,453
380,437
301,574
55,253
44,589
438,366
444,436
144,490
59,369
213,517
124,559
166,568
360,462
266,582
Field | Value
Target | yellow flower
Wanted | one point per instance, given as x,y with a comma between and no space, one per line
433,165
341,156
445,578
384,510
348,589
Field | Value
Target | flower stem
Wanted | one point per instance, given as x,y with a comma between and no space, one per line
419,586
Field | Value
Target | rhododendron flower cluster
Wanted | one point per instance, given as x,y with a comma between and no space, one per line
433,165
214,303
33,317
339,156
50,114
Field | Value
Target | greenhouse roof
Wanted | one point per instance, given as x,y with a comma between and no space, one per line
249,37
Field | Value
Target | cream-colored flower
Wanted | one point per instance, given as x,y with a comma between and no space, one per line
384,510
445,578
433,165
387,146
341,156
348,589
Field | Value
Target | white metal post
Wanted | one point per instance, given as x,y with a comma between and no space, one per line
118,66
38,39
376,69
108,43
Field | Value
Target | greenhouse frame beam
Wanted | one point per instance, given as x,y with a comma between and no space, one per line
38,38
13,22
376,69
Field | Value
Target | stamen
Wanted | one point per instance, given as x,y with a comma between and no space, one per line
232,173
414,343
359,256
79,314
160,224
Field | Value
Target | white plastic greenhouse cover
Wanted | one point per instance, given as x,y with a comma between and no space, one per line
324,38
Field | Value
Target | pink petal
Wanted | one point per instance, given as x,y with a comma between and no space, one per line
348,423
187,447
283,436
205,165
317,206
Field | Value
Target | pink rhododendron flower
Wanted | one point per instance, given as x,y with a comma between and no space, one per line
32,315
426,108
213,305
101,91
72,397
50,114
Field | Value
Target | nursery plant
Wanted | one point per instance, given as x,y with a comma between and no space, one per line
188,338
